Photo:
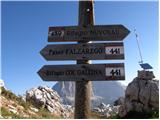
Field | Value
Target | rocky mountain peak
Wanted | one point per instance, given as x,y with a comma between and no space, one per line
102,91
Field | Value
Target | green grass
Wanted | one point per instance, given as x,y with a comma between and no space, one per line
8,94
141,115
155,114
131,115
6,113
45,114
18,99
42,114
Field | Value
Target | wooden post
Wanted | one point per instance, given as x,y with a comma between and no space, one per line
83,87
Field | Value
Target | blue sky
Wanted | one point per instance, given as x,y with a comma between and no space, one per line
25,29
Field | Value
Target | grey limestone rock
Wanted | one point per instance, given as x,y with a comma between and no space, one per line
141,94
43,96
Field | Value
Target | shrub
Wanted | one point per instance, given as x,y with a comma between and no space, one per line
6,113
45,114
141,115
8,94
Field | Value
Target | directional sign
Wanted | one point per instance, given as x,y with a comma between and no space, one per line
88,33
90,51
93,72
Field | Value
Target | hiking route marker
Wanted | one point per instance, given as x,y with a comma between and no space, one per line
94,72
84,72
90,51
89,33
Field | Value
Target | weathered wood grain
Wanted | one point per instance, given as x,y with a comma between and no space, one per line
84,51
88,33
82,72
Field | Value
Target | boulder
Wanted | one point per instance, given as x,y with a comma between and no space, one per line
119,101
154,96
141,95
146,75
46,97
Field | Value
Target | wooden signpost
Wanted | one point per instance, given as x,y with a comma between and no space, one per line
89,33
90,51
94,72
84,72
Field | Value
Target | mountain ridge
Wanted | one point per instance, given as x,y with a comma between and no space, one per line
66,90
